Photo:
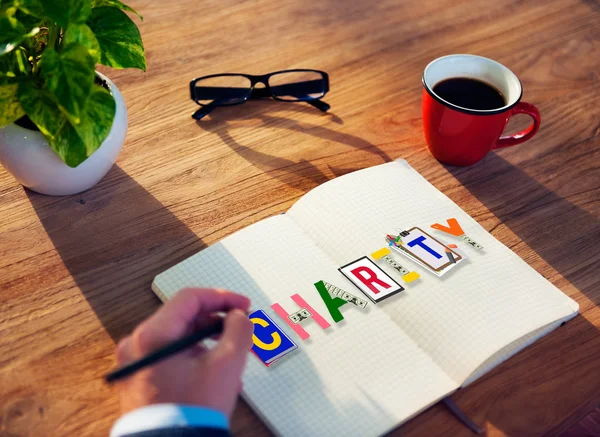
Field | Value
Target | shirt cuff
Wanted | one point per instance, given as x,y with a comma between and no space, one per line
160,416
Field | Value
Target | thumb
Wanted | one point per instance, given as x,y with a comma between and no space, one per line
236,339
124,352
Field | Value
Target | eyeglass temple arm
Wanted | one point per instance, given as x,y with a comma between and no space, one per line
319,104
301,90
298,89
203,111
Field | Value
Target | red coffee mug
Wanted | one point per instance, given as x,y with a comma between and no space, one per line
463,136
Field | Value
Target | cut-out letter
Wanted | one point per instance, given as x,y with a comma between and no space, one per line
370,279
421,242
296,327
453,227
426,250
333,303
269,341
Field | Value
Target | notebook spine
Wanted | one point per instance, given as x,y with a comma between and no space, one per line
461,416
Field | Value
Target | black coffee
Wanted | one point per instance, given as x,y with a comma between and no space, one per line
470,93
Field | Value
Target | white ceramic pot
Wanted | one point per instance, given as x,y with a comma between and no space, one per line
27,156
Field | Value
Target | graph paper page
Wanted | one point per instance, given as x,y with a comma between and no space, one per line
488,302
361,377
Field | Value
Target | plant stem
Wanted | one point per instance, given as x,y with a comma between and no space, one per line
53,33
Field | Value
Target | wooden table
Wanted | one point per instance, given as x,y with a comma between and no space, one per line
75,272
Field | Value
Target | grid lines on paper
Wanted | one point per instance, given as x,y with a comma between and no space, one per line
350,370
460,319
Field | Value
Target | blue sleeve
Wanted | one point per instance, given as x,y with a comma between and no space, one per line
163,416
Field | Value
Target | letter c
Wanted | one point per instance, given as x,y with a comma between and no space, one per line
258,342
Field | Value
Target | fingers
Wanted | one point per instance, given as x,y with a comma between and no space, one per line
185,307
206,320
178,316
236,339
125,353
196,351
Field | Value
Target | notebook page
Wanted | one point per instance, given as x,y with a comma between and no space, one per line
461,319
360,377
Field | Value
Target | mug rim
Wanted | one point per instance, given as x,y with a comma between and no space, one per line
468,110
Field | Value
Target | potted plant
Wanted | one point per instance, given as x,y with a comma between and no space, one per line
62,124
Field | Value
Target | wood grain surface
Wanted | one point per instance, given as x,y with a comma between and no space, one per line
75,272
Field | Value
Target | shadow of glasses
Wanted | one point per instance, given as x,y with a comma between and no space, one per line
302,174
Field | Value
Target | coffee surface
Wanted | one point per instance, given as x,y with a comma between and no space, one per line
469,93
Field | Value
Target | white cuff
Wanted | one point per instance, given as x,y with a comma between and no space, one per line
168,416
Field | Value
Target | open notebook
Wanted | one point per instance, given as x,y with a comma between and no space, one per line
380,366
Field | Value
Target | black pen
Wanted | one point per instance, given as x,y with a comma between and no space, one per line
165,352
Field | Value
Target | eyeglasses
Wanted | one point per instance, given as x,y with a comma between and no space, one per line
233,89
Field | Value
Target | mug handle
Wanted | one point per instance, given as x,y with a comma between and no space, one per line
524,135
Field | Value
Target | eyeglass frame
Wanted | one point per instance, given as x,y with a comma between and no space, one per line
258,93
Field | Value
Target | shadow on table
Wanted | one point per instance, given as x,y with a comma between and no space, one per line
552,380
302,175
565,236
113,239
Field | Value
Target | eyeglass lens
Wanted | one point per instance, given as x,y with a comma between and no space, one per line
232,89
223,90
297,85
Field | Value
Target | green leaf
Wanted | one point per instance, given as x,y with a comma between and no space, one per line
11,33
97,121
119,39
62,12
73,143
69,77
32,7
41,109
82,34
8,7
69,146
114,4
10,108
14,64
29,21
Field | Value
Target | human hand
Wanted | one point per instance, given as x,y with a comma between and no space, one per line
197,376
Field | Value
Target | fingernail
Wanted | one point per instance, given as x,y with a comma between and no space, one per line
238,312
